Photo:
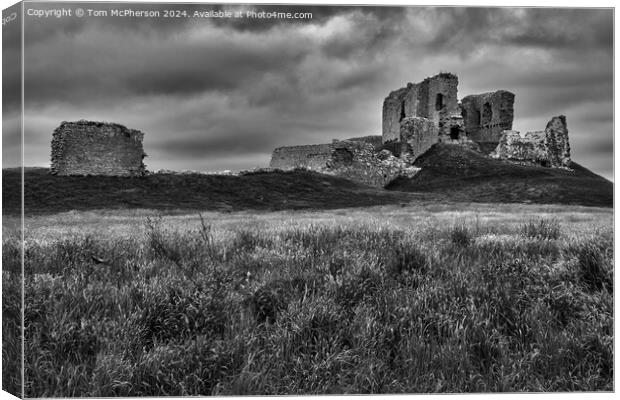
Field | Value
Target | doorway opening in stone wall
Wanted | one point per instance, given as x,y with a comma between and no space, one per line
455,132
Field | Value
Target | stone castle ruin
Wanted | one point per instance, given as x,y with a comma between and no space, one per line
97,148
419,115
440,117
415,118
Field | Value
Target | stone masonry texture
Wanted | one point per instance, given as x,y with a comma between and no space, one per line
97,148
356,160
487,115
416,136
556,142
434,98
549,148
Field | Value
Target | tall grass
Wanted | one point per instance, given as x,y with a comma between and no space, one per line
318,309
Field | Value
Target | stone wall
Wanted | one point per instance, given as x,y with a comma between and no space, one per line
309,157
97,148
549,148
354,160
416,136
434,98
375,140
529,148
487,115
556,141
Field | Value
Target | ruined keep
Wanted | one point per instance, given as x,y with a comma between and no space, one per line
487,115
480,118
549,148
97,148
434,98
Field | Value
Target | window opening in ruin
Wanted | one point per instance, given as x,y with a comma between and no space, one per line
464,115
402,112
476,118
455,131
342,156
487,113
439,102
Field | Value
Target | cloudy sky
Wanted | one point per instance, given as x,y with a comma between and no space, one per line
213,94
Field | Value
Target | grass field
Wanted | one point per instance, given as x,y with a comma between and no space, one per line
387,299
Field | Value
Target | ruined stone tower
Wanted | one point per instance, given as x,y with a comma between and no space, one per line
486,115
97,148
422,114
434,98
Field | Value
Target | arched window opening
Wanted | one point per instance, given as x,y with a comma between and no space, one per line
402,111
487,113
439,102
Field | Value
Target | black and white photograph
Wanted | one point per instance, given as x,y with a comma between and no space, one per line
229,199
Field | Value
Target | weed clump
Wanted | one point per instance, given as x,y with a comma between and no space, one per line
592,268
406,259
541,228
461,235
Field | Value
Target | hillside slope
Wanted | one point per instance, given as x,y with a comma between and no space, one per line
463,174
45,193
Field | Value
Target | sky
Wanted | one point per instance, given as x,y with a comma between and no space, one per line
221,93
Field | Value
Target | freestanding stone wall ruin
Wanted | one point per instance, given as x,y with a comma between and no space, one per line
486,116
97,148
353,159
549,148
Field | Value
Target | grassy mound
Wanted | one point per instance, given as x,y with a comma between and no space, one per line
463,174
45,193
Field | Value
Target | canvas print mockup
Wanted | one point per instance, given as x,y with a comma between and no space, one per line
248,199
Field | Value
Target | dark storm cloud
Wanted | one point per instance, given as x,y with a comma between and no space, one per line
465,28
210,92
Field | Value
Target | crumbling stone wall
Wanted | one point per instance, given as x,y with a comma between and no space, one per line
309,157
556,142
454,131
549,148
434,98
487,115
375,140
97,148
529,147
350,159
416,136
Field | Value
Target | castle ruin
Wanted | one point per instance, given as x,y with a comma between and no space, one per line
479,118
419,115
97,148
434,98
